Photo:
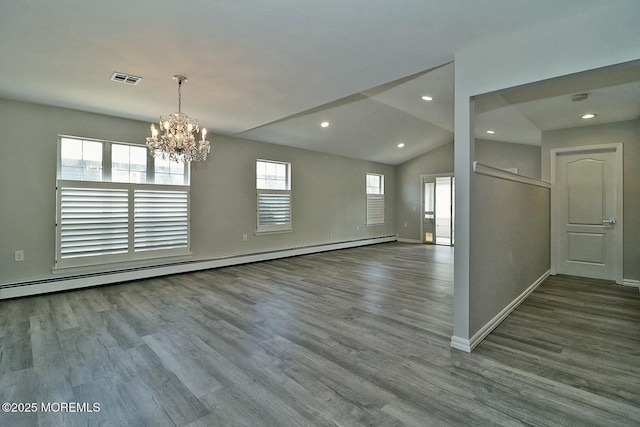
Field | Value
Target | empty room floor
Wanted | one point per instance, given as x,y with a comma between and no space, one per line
344,338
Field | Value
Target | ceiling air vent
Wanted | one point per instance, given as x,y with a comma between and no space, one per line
579,97
125,78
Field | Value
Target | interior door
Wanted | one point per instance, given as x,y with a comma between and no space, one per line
588,214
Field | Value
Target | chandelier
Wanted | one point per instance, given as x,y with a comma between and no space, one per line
177,138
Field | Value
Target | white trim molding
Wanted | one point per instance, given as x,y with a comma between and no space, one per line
631,283
468,345
487,170
461,344
104,278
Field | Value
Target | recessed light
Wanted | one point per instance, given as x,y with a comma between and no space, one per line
427,98
400,145
491,132
589,116
324,124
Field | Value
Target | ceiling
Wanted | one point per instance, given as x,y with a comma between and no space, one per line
273,70
521,114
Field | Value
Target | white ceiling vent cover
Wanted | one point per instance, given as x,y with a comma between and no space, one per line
125,78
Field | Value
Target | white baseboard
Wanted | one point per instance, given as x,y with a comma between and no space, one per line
468,345
402,240
88,280
632,283
461,344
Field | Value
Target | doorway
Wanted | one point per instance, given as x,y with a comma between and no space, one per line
586,206
438,195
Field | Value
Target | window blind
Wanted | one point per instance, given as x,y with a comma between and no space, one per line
375,209
102,222
161,220
274,211
93,221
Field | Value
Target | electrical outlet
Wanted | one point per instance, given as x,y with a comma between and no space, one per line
18,256
357,228
405,225
244,237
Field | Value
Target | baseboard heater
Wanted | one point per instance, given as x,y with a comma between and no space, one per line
36,287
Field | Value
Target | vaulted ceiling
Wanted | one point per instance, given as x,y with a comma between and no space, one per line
273,70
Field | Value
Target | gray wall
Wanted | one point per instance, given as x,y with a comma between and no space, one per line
328,199
409,193
505,155
560,47
629,134
509,232
509,237
328,193
440,161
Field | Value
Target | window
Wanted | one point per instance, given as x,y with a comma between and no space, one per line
116,203
80,160
273,188
375,199
128,163
272,175
375,184
168,172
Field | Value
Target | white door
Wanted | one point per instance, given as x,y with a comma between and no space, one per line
438,207
587,209
444,210
429,210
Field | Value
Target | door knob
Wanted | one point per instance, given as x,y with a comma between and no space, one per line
610,221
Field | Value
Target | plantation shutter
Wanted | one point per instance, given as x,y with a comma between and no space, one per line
93,221
274,211
375,209
161,219
103,222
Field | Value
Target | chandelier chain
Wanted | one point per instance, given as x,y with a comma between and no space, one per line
179,95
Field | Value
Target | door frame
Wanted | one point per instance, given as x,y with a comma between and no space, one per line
422,178
616,148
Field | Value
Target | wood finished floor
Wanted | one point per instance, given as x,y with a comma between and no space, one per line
344,338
